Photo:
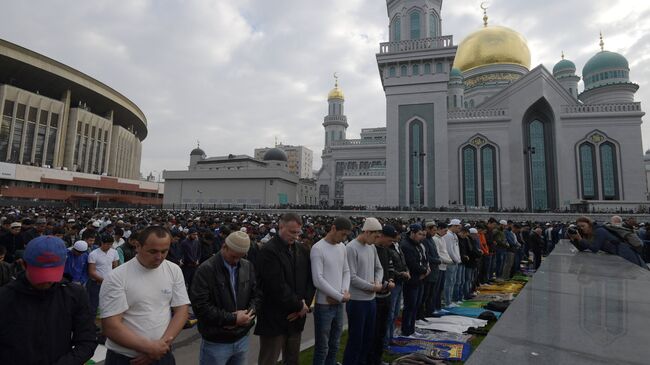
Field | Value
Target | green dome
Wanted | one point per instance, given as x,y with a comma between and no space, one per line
455,73
564,65
605,60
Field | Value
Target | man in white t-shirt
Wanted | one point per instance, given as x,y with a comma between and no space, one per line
135,304
101,262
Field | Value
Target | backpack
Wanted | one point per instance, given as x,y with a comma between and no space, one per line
626,235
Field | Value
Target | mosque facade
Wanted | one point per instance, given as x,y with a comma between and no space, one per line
474,125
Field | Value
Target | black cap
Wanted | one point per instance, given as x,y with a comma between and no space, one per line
389,231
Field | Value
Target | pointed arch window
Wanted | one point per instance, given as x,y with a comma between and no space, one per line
403,70
415,18
538,165
488,176
416,163
470,188
433,25
479,173
588,170
427,68
391,71
397,30
609,171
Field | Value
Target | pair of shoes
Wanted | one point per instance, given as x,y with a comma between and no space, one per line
452,305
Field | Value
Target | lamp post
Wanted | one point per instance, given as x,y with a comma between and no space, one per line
529,152
97,193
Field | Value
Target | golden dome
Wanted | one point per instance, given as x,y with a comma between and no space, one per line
492,45
336,93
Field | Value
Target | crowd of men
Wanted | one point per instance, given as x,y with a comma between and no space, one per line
247,273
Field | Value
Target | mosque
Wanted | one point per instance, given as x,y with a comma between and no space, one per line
473,125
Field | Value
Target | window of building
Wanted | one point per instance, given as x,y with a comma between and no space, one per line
455,101
470,189
403,70
416,163
416,70
488,176
86,128
20,111
588,170
40,144
433,25
538,168
427,68
54,120
17,140
29,142
5,129
9,108
51,142
43,119
439,67
609,173
415,25
391,71
397,30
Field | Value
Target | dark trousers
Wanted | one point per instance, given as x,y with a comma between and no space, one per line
412,301
188,275
538,258
428,293
272,346
438,289
92,288
361,331
381,327
113,358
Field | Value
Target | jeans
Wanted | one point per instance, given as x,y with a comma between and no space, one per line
458,286
393,313
412,301
450,282
361,330
469,282
500,260
113,358
213,353
328,326
438,289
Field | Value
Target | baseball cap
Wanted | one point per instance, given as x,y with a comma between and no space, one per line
389,231
45,258
81,246
415,227
371,224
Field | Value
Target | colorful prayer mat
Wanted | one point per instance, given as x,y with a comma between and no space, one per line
469,312
442,350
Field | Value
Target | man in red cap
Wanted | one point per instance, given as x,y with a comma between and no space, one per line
46,319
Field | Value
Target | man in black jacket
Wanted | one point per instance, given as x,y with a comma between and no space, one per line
401,275
418,265
284,277
224,297
45,320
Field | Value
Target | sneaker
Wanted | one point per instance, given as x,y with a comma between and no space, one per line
452,305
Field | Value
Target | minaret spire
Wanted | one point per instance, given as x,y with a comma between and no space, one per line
485,17
602,44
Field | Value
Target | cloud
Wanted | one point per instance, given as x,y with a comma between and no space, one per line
236,74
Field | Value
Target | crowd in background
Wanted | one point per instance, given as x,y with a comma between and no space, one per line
277,269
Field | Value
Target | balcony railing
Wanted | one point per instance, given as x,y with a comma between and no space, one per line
350,142
477,113
602,108
416,44
335,118
369,172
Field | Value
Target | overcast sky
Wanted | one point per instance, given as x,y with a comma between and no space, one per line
236,74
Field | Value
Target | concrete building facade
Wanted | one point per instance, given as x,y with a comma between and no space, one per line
233,180
55,116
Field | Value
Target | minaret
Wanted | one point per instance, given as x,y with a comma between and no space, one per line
335,122
414,66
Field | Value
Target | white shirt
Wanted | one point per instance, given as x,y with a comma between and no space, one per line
119,243
144,297
329,270
441,246
451,240
103,261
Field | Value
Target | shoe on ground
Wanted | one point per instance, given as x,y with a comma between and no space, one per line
452,305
